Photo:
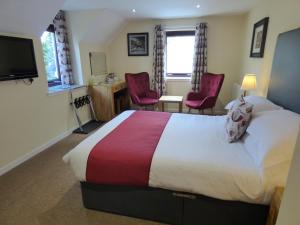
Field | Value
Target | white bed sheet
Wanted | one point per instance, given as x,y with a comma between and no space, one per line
192,156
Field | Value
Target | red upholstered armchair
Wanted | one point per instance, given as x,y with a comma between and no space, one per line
139,89
210,87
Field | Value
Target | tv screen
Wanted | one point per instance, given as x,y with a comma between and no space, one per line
17,60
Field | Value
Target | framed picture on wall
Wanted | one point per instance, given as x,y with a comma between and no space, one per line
138,44
259,38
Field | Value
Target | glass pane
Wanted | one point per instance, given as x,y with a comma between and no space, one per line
180,53
49,51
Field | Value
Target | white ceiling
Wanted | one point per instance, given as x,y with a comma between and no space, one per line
163,9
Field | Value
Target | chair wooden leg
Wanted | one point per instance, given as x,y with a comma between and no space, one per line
201,111
142,107
153,107
212,111
189,110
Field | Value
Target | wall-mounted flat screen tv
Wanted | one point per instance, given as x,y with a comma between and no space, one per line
17,59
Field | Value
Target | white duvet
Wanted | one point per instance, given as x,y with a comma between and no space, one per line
191,156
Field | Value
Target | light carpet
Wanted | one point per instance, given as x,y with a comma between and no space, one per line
44,191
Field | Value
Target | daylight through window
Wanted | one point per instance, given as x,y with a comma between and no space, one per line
50,57
180,53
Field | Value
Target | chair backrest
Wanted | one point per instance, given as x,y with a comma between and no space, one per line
211,84
138,84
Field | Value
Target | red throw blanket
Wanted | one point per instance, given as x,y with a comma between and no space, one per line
124,156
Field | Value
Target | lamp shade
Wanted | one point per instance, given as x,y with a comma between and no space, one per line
249,82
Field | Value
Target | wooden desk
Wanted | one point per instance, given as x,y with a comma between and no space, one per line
109,99
170,99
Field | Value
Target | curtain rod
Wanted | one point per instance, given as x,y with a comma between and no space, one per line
174,27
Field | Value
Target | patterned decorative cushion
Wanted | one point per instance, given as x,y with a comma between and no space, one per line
238,119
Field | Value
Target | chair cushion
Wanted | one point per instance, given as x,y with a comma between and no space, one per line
238,119
148,101
195,104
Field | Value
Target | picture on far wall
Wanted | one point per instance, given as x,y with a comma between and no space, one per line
259,38
138,44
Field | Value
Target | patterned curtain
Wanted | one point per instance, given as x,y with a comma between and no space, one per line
159,60
200,55
63,50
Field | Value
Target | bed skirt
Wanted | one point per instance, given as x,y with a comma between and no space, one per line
171,207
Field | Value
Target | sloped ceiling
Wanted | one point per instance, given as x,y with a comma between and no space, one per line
30,17
94,26
104,27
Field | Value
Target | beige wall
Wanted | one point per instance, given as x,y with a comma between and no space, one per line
90,31
225,40
284,16
29,116
85,49
79,23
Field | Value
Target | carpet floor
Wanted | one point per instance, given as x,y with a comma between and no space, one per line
44,191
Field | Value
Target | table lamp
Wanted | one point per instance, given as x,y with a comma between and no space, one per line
249,83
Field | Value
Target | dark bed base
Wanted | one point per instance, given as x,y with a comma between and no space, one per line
171,207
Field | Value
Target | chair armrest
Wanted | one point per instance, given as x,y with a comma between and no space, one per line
152,94
209,101
194,96
135,99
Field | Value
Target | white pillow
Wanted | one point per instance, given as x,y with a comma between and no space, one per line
260,104
272,137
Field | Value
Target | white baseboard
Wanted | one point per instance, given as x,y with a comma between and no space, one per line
34,152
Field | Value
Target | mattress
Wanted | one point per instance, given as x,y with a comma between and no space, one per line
192,156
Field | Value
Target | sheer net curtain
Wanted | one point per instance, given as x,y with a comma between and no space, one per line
63,50
200,55
159,57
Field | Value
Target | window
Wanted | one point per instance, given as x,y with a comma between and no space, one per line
50,57
180,53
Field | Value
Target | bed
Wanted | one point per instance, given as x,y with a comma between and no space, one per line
195,176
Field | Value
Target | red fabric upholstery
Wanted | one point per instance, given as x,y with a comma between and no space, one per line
139,89
209,90
122,159
147,101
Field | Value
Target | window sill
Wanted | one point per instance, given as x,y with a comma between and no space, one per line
59,89
183,79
